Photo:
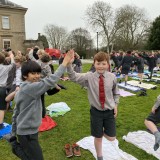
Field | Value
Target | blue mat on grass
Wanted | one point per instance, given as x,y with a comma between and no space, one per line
132,74
6,130
129,87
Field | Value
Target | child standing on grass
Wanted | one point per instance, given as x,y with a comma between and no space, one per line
103,102
4,70
152,120
140,66
126,63
17,80
28,111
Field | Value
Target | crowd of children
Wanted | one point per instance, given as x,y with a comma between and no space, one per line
31,76
128,61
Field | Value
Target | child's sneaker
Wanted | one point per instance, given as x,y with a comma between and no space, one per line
76,150
68,150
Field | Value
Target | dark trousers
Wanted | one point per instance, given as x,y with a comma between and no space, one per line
30,147
3,104
151,70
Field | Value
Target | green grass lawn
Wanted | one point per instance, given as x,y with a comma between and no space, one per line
75,124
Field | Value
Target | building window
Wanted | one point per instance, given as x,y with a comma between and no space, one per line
6,43
5,22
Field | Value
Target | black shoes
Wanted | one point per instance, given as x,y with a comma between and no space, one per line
154,88
143,93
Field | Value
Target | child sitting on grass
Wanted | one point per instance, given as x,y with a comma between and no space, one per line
152,120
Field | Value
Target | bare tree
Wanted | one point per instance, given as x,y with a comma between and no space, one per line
134,26
101,17
80,40
56,35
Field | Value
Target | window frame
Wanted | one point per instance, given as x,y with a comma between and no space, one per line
7,40
5,22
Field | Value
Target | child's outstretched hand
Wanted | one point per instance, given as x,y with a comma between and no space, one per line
68,58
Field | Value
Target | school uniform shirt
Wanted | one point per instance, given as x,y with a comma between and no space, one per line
91,81
4,70
17,81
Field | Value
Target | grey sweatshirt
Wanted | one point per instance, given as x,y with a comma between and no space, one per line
28,111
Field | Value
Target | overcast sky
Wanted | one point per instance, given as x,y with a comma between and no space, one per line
70,13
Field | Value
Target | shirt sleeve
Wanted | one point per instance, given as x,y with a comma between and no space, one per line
31,57
80,78
18,77
39,88
116,94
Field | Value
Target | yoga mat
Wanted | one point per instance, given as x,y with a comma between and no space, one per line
144,141
129,87
110,150
132,74
124,93
156,75
6,130
144,79
142,85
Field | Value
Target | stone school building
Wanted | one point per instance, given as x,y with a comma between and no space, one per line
12,27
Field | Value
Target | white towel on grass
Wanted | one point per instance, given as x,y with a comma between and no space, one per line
59,108
143,140
111,150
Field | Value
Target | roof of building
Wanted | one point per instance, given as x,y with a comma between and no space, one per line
7,3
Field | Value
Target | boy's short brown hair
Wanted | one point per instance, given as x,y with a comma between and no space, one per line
101,56
45,58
